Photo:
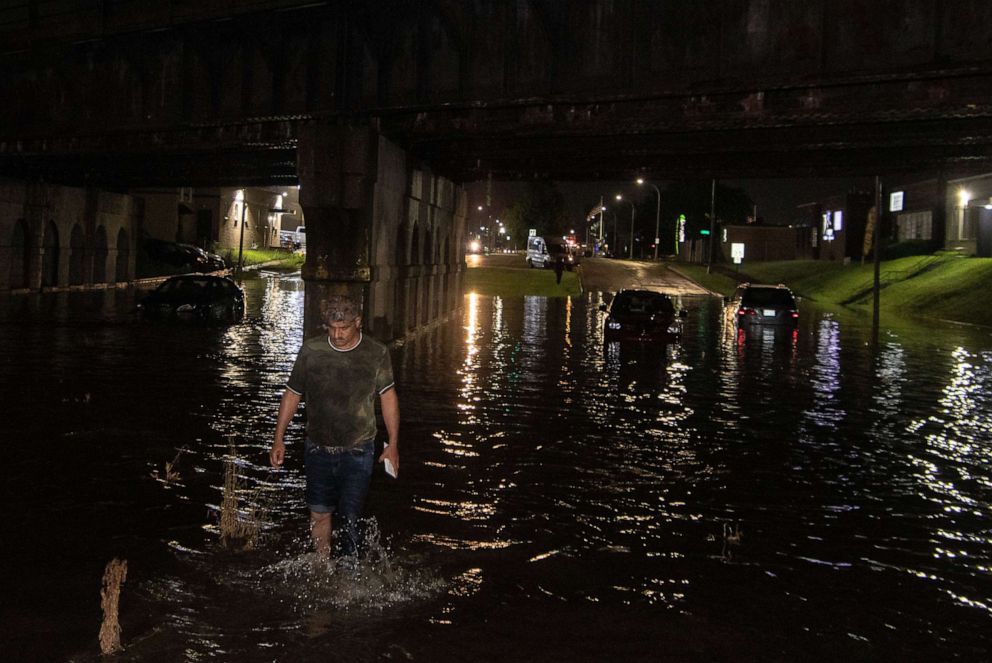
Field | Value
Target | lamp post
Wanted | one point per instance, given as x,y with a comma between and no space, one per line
711,244
657,216
240,196
633,212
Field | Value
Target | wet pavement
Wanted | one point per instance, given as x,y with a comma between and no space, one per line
765,496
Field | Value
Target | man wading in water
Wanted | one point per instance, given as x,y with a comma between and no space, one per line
339,376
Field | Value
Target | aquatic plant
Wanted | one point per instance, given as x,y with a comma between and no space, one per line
110,630
171,473
236,529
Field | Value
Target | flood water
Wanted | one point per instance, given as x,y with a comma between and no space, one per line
731,497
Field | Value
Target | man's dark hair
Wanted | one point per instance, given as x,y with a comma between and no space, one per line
339,308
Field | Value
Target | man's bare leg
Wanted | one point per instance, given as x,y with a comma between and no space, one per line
320,532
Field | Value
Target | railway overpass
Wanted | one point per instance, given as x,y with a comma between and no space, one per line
380,110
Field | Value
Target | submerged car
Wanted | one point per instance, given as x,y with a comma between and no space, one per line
202,260
195,297
184,256
758,304
642,315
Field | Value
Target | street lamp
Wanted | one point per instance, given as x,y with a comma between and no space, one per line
240,197
633,211
657,216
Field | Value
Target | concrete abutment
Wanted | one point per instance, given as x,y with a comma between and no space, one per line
380,227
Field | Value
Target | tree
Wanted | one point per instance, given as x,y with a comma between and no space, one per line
692,198
541,207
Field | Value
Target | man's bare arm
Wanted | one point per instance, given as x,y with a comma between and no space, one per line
287,408
390,404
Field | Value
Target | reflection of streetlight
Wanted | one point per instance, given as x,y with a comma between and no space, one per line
657,216
633,211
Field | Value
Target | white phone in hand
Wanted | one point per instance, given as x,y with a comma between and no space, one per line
390,470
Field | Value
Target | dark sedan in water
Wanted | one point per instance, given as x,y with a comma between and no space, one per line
195,297
642,315
756,304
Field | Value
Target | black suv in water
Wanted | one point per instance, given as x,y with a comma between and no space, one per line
756,304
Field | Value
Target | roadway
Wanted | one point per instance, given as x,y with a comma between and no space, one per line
610,275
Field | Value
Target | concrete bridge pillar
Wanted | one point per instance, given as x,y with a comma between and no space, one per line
377,227
337,169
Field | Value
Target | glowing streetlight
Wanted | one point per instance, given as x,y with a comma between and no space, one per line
657,216
239,197
633,211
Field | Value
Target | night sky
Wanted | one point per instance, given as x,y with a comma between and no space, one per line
776,199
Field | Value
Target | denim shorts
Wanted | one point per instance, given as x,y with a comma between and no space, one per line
338,479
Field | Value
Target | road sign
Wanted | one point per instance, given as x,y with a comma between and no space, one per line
737,252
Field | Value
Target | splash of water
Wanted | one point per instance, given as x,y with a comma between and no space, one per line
372,579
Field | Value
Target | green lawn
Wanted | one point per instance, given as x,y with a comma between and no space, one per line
517,282
289,259
940,286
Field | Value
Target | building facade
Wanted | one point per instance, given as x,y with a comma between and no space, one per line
57,237
969,215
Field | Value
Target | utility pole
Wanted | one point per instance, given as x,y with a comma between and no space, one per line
709,262
241,237
657,217
633,211
602,217
876,286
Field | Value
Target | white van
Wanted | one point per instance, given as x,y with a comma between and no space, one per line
537,252
543,251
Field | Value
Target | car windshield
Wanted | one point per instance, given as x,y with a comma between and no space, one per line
646,304
770,297
185,287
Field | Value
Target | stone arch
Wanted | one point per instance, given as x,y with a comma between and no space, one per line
402,242
415,245
21,251
122,264
76,249
428,246
100,255
50,259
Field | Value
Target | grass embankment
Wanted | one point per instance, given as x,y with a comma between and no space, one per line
947,287
517,282
289,259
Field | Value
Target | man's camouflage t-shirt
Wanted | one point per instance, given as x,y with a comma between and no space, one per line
339,387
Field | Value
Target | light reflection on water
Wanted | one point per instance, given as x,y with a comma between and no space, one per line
832,500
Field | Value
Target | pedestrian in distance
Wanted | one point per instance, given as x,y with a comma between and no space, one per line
559,268
339,375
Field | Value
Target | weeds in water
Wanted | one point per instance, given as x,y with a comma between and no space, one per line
236,530
240,529
110,630
171,470
171,473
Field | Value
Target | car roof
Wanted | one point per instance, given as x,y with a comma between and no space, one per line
764,286
642,293
199,277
